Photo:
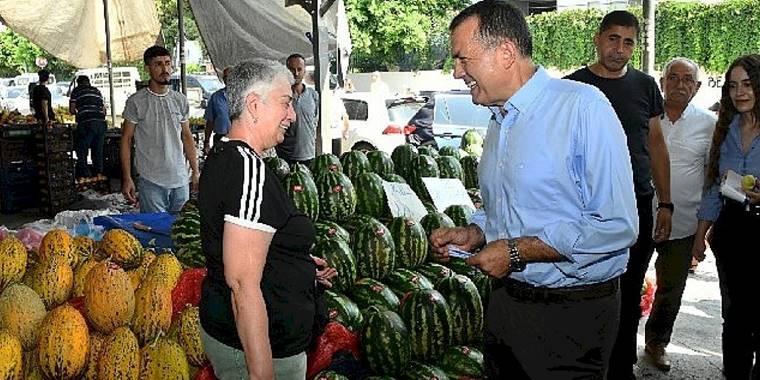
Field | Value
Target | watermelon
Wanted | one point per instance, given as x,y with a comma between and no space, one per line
428,150
354,162
420,371
191,255
380,163
301,168
470,171
410,240
331,231
186,229
338,255
434,221
434,272
404,157
403,281
424,166
449,167
379,378
369,292
394,178
342,310
301,188
484,283
428,317
472,142
466,308
429,207
370,195
463,362
459,214
355,221
372,244
278,166
459,266
329,375
326,162
450,151
385,342
337,197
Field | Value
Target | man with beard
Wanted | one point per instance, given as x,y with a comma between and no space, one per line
157,118
638,104
299,145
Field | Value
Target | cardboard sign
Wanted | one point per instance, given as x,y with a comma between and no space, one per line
402,201
446,192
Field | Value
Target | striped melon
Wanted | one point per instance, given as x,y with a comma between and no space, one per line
303,191
459,214
326,229
424,166
370,195
404,157
93,358
326,162
373,246
369,292
410,241
470,171
84,248
394,178
428,317
434,272
380,163
63,344
337,197
137,275
189,336
119,356
343,310
53,279
403,281
450,151
466,308
301,168
354,163
420,371
12,261
428,150
80,277
278,166
338,255
463,362
187,227
385,342
109,299
12,362
21,313
153,311
123,248
58,243
450,167
165,270
163,359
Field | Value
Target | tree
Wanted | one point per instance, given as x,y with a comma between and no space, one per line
18,54
167,16
400,34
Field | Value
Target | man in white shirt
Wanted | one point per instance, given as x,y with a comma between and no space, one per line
688,132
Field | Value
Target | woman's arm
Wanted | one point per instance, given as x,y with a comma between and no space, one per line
244,255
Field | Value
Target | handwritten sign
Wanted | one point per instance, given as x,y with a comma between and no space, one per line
446,192
402,201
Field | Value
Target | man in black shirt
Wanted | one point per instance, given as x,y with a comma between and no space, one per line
638,103
42,100
87,104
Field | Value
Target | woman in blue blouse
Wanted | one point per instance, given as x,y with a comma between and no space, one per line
735,225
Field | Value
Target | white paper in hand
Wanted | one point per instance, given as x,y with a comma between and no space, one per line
455,251
731,187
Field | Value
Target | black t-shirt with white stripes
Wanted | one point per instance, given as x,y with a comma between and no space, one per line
236,187
89,103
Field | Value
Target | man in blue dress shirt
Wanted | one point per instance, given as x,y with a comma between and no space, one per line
560,210
217,115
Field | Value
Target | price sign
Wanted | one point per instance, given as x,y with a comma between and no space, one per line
402,201
446,192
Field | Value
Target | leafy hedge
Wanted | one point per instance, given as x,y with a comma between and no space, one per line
711,34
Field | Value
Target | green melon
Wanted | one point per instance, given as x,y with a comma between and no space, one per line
343,310
380,163
385,342
326,162
466,308
459,214
470,171
301,188
372,244
354,162
369,292
403,281
410,240
428,317
338,255
404,158
370,195
449,167
278,166
337,197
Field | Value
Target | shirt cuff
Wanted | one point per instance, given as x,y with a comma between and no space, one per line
562,237
478,218
248,224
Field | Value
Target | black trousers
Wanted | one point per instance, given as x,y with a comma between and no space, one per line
737,256
624,354
547,336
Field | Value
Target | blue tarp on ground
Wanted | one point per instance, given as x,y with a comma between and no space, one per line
160,223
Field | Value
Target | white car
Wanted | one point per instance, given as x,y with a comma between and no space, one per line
376,122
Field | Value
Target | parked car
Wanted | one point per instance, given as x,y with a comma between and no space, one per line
375,122
446,117
207,84
16,98
124,84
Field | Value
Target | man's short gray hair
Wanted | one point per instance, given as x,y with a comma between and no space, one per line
687,61
254,76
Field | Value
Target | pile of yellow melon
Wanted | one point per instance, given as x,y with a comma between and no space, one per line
81,309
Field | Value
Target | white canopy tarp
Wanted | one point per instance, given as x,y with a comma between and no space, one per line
74,30
237,30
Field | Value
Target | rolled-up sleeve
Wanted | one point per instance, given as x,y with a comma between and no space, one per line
601,167
478,218
711,204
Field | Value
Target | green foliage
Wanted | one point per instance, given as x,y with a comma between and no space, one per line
17,55
167,16
400,34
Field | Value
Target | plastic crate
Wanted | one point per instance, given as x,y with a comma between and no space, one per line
54,139
18,173
15,151
51,206
17,130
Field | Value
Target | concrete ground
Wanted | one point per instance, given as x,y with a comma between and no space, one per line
695,347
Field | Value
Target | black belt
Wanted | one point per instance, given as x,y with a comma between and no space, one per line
527,292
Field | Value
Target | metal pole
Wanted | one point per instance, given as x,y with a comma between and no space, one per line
108,63
317,76
647,61
181,37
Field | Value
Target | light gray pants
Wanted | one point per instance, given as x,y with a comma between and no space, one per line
229,362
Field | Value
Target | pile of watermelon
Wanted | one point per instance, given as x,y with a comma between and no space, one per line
417,319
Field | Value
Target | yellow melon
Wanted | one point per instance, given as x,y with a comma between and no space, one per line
12,261
63,344
108,298
121,247
53,279
80,276
163,359
138,274
93,358
153,312
21,313
189,336
11,356
58,243
165,269
83,249
119,356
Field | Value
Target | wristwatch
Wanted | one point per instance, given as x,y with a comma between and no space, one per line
666,205
516,264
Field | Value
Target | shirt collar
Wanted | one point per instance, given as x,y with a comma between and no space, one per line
525,96
686,113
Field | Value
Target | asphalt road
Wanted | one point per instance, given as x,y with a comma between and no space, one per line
695,348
